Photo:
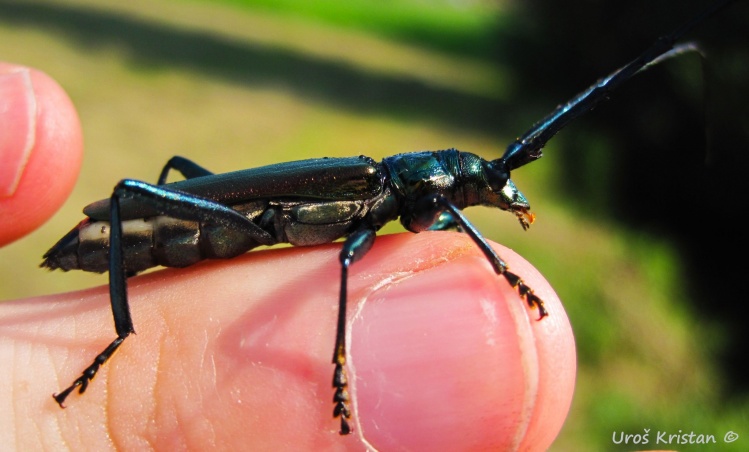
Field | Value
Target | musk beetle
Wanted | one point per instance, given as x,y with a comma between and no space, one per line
311,202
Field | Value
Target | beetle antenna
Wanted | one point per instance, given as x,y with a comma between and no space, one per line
527,148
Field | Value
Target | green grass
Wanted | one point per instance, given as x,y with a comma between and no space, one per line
456,27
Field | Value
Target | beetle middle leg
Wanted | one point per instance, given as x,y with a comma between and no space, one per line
430,207
186,167
169,202
354,248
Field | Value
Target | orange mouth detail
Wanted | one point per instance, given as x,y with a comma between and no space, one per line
525,217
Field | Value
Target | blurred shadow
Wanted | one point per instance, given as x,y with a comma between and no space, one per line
153,44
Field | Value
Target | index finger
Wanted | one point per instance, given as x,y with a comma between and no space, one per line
41,149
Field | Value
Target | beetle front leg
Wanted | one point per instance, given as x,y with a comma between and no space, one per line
429,207
354,248
445,222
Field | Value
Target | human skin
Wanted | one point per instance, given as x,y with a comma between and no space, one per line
443,353
41,148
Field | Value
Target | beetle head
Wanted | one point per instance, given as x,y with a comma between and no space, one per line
504,194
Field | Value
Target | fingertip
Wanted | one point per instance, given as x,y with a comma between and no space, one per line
554,345
41,148
452,358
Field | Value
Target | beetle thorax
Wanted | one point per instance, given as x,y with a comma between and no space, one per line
418,174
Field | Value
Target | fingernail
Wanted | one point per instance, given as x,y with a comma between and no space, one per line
17,126
439,362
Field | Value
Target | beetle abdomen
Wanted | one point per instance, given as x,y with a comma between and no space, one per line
147,243
169,242
150,242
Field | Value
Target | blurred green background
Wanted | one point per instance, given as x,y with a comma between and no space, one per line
638,204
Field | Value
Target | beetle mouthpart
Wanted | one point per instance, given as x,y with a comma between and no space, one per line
525,217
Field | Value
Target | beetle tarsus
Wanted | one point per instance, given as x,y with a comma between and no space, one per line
60,397
341,398
345,427
89,373
533,300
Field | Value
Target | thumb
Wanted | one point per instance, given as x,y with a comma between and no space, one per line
451,358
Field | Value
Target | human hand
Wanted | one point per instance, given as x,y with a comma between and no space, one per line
41,148
236,354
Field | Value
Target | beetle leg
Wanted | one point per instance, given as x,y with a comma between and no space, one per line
171,203
123,323
426,209
186,167
445,222
354,248
185,206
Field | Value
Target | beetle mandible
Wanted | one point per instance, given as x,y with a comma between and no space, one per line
311,202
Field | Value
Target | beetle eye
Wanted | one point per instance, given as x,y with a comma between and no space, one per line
496,174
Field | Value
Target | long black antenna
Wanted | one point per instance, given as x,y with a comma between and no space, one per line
528,147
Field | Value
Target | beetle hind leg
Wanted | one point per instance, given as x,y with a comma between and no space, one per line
89,373
172,203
